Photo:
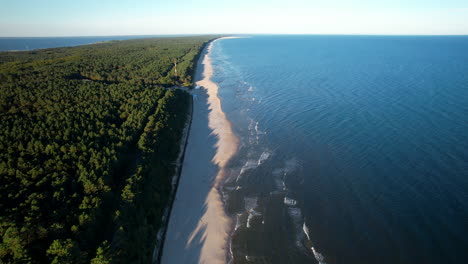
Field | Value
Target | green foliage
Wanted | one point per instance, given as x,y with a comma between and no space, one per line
89,136
64,251
147,190
12,247
102,254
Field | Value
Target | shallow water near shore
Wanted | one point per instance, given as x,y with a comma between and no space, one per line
353,149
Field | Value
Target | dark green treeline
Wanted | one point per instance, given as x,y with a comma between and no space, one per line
88,140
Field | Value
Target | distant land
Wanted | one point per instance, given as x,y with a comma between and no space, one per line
32,43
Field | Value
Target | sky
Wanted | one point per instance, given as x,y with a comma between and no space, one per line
22,18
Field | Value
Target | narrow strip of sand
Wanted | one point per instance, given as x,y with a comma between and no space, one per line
215,223
198,230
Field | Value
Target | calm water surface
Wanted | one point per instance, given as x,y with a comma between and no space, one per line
354,149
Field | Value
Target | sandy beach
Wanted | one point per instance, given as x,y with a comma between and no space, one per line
198,230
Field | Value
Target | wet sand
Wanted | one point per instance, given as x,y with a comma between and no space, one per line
198,230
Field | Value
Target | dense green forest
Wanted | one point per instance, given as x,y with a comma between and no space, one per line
88,140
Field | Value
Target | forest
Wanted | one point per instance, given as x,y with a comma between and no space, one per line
89,136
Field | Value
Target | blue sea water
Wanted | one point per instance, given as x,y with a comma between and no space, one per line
32,43
354,149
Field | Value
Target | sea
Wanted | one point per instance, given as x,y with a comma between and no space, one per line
353,149
32,43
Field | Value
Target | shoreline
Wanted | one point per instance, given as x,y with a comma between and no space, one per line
161,235
199,229
215,224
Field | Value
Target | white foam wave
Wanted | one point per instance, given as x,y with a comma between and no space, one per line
280,179
295,214
250,203
238,222
248,220
283,182
319,257
306,231
264,156
280,174
280,182
254,133
289,201
252,164
249,164
252,214
252,124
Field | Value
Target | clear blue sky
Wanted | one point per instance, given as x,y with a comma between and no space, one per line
137,17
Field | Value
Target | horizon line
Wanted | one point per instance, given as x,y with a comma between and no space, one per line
234,34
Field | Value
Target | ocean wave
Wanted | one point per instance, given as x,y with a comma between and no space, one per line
254,133
238,222
302,232
252,164
249,164
263,157
280,174
252,214
296,216
306,230
289,201
280,179
318,256
250,203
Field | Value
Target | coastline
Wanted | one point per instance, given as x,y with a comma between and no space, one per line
215,224
199,229
161,235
